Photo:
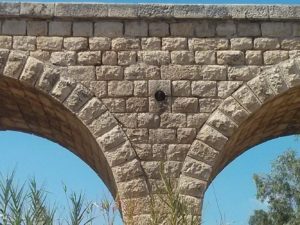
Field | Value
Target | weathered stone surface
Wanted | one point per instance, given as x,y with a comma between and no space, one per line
67,58
15,63
82,73
120,88
33,69
14,27
109,73
158,29
222,123
205,57
204,88
203,152
230,57
189,105
49,43
208,44
196,169
108,29
83,29
60,28
37,28
75,44
26,43
79,96
99,43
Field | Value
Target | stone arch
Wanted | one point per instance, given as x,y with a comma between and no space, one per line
40,98
261,109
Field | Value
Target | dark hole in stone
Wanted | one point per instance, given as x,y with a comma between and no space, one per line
160,96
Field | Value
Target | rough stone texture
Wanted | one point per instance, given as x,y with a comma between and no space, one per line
90,72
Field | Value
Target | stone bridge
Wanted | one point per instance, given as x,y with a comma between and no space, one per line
130,87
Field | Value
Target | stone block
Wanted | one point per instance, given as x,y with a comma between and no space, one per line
148,120
162,136
266,43
172,120
182,57
140,88
136,28
136,104
108,29
248,29
126,58
99,43
196,120
37,28
5,42
254,58
227,28
276,29
241,43
205,28
155,57
182,29
158,29
82,73
14,27
186,135
89,58
26,43
109,58
109,73
230,57
208,44
181,88
75,43
276,56
120,88
205,57
82,29
185,105
49,43
123,44
204,88
152,43
67,58
60,28
174,44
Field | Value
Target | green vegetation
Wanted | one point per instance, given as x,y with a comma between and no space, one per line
280,190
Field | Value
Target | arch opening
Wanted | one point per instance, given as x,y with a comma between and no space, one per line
28,110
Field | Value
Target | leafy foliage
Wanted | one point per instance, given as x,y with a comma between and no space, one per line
281,191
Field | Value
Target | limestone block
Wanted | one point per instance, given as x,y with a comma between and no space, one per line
136,28
152,169
205,57
133,188
155,57
196,120
222,123
172,120
276,29
247,98
41,55
243,73
108,29
82,73
37,28
75,43
26,43
248,29
192,186
241,43
136,104
60,28
254,57
185,105
266,43
208,44
203,152
290,44
77,99
120,88
172,169
3,58
234,110
37,9
212,137
137,135
207,105
140,88
174,43
62,89
181,72
148,120
128,120
186,135
296,29
14,27
276,56
49,43
197,169
260,88
109,58
141,71
177,152
123,44
143,151
15,63
126,58
162,136
230,57
226,88
127,171
182,29
204,88
227,28
214,72
80,10
122,10
159,85
158,29
109,73
66,58
5,42
33,69
182,57
152,43
93,109
181,88
120,154
205,28
102,124
82,29
89,58
98,87
49,78
99,43
115,105
111,139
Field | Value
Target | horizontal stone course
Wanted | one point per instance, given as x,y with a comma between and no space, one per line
89,10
